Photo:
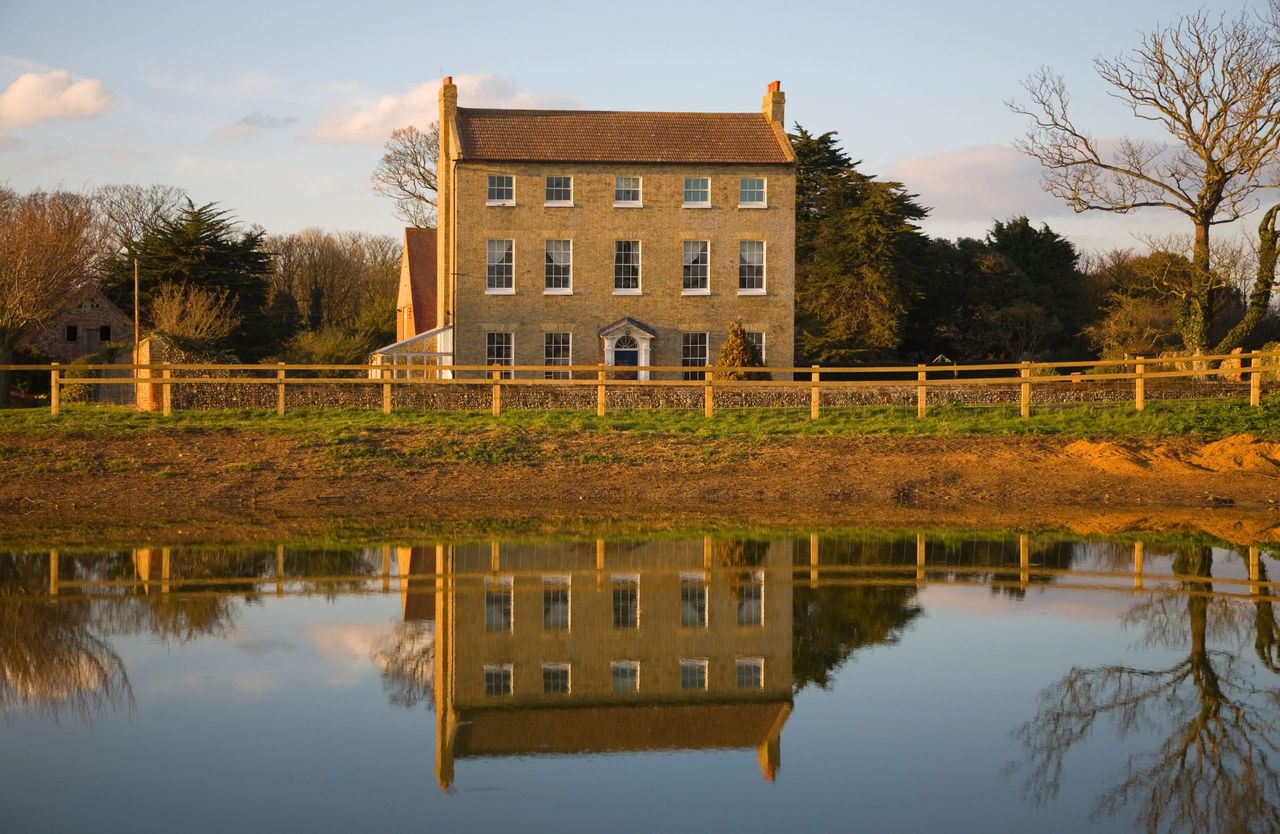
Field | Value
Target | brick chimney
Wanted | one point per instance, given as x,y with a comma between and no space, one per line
445,209
774,103
448,104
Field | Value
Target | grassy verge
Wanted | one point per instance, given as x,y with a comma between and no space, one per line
1203,418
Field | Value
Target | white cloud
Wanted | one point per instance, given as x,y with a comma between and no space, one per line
215,168
242,84
39,96
347,644
252,125
371,121
13,62
969,188
977,184
266,121
9,144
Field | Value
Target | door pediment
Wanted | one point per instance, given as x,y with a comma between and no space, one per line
628,325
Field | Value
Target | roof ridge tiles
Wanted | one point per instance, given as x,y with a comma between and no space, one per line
576,111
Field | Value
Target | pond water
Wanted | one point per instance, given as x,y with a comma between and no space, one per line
830,681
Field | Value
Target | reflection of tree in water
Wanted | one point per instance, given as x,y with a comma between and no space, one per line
406,658
1266,642
1214,770
307,568
832,621
189,610
1004,558
50,658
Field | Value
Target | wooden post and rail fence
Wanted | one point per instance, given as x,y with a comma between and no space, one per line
926,380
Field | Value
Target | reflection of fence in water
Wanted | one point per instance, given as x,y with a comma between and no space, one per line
1011,562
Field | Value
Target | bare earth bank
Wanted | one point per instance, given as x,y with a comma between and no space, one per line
226,485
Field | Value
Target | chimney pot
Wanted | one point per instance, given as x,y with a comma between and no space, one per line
448,79
775,86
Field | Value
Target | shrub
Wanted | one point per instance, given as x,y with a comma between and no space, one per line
194,315
739,352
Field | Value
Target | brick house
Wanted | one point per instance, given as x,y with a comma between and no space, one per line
624,238
83,329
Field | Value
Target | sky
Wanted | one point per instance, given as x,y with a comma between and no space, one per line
279,110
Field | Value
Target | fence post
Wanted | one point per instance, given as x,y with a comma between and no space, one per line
166,392
921,376
1140,384
280,390
600,392
386,392
815,394
55,401
497,393
1025,373
708,396
1255,379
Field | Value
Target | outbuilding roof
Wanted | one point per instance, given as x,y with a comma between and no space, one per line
620,136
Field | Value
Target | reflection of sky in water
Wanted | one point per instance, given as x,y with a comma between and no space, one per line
283,724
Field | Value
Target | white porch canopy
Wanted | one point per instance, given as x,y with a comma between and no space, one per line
629,334
417,355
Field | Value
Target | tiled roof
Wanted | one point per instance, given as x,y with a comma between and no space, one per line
618,136
420,258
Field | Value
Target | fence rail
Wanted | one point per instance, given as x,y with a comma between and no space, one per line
1250,369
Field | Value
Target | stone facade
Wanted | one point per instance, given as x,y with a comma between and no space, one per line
82,330
593,224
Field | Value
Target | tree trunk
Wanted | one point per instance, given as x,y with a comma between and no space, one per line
1197,317
1263,285
6,377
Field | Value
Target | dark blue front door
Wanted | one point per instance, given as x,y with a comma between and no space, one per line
626,357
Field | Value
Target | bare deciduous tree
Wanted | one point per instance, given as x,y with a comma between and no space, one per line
333,276
407,173
194,313
124,212
1213,84
48,251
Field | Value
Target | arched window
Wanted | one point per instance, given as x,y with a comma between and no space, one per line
626,342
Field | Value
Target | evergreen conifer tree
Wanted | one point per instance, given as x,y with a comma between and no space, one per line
203,247
739,352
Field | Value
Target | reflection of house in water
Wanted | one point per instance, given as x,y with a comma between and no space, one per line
606,647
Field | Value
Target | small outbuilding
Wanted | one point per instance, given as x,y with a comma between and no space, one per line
83,329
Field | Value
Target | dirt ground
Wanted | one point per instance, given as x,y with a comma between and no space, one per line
228,485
